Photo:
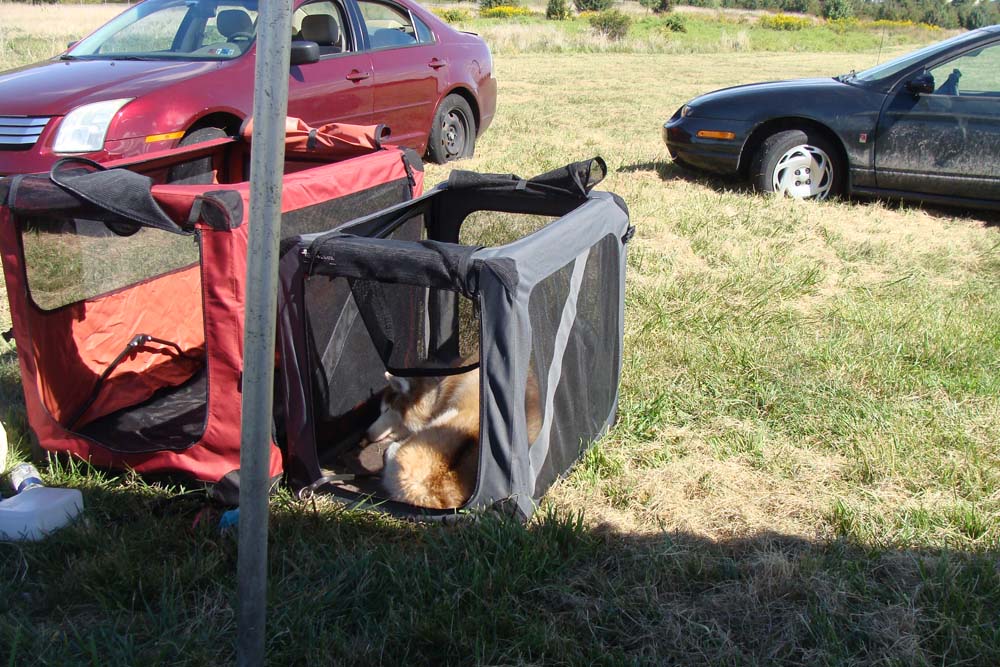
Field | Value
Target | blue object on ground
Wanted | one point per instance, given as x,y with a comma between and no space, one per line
229,519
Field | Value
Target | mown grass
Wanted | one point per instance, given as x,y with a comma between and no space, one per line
804,470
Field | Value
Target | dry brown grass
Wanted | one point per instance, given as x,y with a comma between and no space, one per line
551,111
29,33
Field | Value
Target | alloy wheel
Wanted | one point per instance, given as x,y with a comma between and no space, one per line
803,172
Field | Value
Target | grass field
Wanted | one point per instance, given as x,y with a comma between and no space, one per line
805,468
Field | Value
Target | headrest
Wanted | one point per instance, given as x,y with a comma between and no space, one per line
321,28
390,37
232,21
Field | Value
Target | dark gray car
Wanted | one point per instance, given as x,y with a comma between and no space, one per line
924,126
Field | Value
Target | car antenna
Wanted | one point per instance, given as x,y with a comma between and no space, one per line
879,57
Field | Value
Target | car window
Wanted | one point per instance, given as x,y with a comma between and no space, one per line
388,25
975,73
909,60
229,20
424,34
324,23
150,33
174,30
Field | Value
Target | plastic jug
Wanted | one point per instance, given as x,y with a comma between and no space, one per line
36,510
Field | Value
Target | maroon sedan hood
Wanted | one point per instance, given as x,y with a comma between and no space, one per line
54,87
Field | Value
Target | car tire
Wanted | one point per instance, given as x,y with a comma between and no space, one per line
798,164
453,133
195,172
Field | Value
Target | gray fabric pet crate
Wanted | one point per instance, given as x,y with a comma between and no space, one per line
401,291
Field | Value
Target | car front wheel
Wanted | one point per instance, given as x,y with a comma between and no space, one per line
198,171
798,164
453,134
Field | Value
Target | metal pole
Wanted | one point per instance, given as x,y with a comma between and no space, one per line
270,105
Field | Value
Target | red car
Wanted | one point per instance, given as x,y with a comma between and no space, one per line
169,72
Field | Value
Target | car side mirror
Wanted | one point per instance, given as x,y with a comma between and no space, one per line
304,53
922,84
72,44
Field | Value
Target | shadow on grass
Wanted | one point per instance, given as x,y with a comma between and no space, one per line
672,171
148,577
11,393
988,218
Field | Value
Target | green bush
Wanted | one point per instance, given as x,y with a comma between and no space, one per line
612,24
673,23
557,10
838,10
802,6
593,5
658,6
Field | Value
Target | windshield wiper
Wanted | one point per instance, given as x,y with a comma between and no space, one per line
844,78
67,56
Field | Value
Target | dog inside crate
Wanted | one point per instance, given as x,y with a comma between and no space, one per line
405,423
458,351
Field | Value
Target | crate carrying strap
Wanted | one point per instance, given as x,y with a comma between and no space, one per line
137,341
126,194
576,179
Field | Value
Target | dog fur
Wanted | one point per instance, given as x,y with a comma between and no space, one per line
433,424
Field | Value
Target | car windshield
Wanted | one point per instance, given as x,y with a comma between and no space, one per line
903,63
173,30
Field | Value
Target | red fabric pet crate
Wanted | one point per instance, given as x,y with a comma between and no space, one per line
126,288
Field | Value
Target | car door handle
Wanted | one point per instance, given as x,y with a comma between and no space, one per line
356,76
437,63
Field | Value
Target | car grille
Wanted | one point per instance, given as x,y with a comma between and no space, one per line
20,133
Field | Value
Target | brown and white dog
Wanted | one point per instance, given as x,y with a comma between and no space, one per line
433,426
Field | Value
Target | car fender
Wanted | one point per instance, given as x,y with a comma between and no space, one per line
177,107
471,83
852,131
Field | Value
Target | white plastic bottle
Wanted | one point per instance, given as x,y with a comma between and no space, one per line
36,510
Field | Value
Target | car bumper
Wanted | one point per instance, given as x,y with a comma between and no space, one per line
487,103
721,156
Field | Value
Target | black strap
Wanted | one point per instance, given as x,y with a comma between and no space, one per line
137,341
125,193
576,179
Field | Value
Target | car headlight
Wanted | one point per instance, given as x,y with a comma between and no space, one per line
686,111
83,129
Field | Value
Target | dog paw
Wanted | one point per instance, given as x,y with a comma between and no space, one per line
390,452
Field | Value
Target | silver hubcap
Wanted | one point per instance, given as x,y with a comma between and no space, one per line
803,172
453,134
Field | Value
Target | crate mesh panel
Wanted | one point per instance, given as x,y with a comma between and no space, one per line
333,212
587,374
73,259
